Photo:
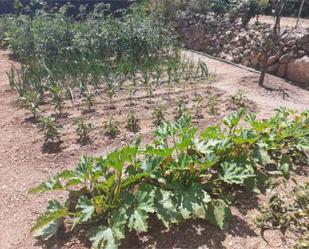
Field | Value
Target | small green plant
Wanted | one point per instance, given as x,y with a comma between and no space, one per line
83,130
238,100
111,128
213,104
50,130
132,122
181,108
159,115
132,91
110,94
89,101
58,96
204,69
198,106
32,101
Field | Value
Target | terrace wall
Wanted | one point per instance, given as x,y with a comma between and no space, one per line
229,40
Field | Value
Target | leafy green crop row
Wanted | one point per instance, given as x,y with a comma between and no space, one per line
64,58
181,175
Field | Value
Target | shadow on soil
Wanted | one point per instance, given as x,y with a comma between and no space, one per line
192,234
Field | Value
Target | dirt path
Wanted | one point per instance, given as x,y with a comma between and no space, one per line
285,22
23,165
231,79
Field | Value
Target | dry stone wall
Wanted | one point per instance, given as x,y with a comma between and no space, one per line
231,41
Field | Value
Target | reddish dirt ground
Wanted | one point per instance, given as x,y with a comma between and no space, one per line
23,164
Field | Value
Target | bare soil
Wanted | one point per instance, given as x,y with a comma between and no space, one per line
289,22
23,163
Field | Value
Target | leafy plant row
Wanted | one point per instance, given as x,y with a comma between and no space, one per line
181,175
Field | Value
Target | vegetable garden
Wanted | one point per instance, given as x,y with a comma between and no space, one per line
111,78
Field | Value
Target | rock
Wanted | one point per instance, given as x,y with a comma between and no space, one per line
284,59
242,35
246,62
300,42
294,48
274,58
247,52
291,43
306,47
229,58
228,33
281,72
273,68
301,53
298,70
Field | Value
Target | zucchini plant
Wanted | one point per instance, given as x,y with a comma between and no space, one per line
181,175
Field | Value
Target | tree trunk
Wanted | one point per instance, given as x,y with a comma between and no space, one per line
263,71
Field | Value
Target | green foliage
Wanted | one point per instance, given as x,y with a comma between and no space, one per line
180,108
111,128
198,106
83,129
159,115
239,100
132,122
284,214
57,97
181,176
213,104
89,101
32,101
50,130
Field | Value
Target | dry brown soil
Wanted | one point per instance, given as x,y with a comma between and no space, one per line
23,164
289,22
